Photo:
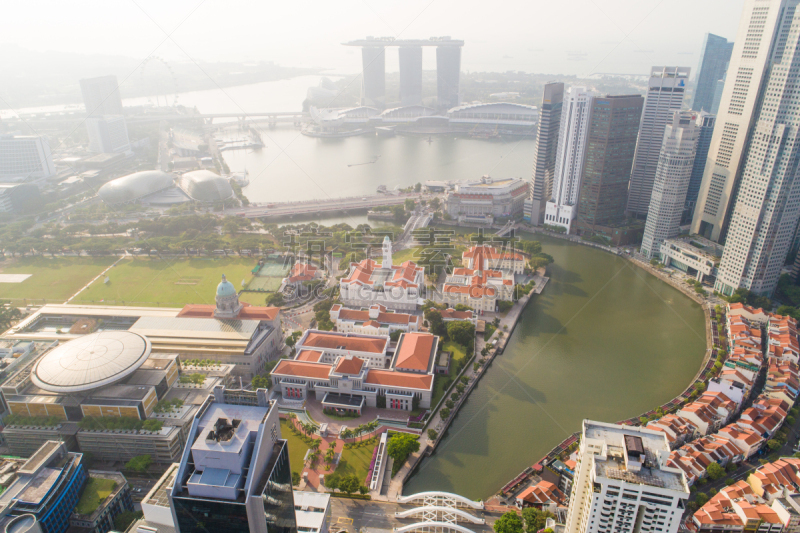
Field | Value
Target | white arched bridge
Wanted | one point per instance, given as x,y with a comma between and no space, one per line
438,512
443,499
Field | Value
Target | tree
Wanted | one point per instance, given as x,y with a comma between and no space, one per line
401,445
418,187
461,331
773,444
715,471
261,382
125,518
409,204
362,489
349,484
8,315
140,463
435,321
510,522
295,478
701,499
395,335
535,519
504,305
432,434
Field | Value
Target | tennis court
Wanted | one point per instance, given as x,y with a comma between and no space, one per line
269,277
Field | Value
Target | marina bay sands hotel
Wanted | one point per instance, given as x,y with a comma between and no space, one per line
373,58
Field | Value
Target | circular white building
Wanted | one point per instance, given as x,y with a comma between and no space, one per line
91,361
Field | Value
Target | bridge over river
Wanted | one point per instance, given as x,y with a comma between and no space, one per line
313,207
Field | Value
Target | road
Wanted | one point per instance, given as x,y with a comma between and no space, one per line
353,515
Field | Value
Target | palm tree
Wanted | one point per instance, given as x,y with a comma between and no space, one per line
346,433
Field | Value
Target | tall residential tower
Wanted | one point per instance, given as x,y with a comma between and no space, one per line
664,96
713,63
613,128
671,183
101,96
562,208
623,484
767,204
761,39
544,155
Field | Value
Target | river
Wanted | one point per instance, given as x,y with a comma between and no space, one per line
605,340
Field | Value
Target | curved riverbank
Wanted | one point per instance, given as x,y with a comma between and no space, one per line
562,365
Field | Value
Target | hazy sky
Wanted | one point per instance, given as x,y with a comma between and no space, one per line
552,36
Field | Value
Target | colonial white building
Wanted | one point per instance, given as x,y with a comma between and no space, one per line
622,483
488,276
394,286
375,320
341,379
327,346
484,199
302,272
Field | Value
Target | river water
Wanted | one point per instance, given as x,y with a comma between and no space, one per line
604,341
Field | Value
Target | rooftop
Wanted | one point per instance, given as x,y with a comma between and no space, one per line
415,351
344,341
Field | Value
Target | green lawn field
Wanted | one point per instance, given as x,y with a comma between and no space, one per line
166,282
297,448
52,279
355,461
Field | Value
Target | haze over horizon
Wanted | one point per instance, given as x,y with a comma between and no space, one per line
581,37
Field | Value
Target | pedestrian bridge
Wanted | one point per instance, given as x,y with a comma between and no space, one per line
432,527
435,513
440,499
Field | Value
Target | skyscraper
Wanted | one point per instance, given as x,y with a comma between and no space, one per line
101,96
664,96
611,142
544,151
24,157
448,75
757,43
623,484
706,122
714,59
108,134
410,75
767,205
234,475
562,207
671,182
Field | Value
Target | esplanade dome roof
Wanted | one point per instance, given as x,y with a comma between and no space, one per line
206,186
225,288
91,361
133,186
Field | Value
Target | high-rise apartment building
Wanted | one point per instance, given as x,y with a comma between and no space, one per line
101,96
623,484
665,92
611,143
108,134
234,475
705,123
25,157
714,58
544,152
673,175
562,207
767,205
760,40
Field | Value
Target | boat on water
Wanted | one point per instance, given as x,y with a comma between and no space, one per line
385,131
370,162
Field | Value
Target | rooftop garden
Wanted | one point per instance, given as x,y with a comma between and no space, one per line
165,406
43,421
119,422
95,492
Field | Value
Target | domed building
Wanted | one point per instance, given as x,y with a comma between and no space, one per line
227,299
206,186
133,187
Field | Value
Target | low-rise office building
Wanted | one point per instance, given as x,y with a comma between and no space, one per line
485,199
313,511
101,518
375,320
344,381
691,257
47,487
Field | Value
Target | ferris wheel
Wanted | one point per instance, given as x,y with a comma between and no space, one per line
158,82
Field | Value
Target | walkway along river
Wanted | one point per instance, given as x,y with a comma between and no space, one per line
606,340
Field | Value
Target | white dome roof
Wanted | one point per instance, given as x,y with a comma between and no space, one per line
91,361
